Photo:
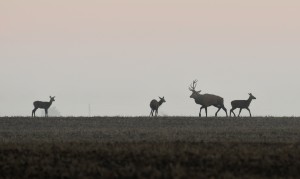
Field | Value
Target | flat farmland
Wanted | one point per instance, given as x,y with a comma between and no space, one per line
162,129
143,147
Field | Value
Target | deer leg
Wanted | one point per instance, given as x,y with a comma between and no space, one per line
156,113
232,111
33,112
206,111
249,112
200,111
223,107
151,113
46,112
217,112
240,112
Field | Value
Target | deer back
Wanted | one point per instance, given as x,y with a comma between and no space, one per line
154,104
41,104
210,99
240,104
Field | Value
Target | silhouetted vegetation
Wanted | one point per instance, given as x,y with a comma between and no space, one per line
149,160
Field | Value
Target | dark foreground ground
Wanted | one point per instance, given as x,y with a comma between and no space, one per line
140,147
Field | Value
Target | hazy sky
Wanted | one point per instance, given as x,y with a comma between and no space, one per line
117,55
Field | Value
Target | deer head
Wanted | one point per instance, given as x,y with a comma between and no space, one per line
251,96
52,99
193,89
162,99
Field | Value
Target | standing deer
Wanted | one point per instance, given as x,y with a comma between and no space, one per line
154,105
242,104
206,100
42,105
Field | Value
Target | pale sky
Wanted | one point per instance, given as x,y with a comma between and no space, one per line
118,55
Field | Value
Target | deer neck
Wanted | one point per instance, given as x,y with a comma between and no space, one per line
160,102
50,102
249,100
198,99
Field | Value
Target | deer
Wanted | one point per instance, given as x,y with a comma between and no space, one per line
154,105
206,100
242,104
42,105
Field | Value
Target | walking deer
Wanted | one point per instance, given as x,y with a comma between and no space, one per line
154,105
42,105
242,104
206,100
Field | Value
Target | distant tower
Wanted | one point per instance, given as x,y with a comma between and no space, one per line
89,110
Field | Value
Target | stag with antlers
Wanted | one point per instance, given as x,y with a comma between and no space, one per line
206,100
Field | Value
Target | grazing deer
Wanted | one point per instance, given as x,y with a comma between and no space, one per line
42,105
242,104
154,105
206,100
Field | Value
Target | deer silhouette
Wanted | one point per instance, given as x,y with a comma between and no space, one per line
242,104
42,105
206,100
154,105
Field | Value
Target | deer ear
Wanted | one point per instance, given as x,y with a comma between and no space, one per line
198,91
50,96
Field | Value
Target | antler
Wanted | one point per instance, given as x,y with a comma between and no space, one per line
193,85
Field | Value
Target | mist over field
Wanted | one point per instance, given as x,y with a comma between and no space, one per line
118,56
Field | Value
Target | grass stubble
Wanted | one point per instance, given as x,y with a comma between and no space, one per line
169,147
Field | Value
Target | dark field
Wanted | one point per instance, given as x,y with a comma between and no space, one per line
141,147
